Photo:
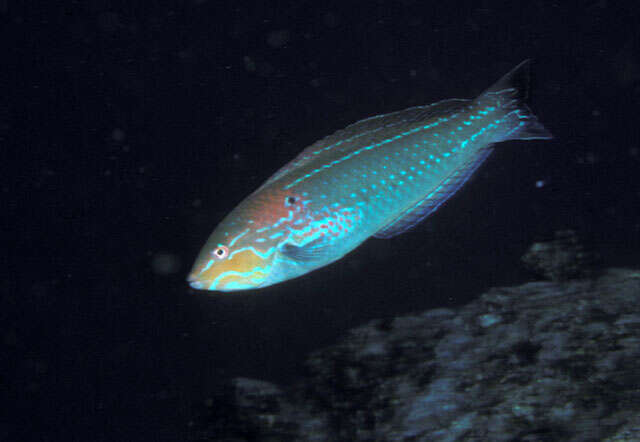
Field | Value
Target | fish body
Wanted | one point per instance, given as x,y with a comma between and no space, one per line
377,177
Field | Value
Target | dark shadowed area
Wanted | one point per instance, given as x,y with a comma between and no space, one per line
129,129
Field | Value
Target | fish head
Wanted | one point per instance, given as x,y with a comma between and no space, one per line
224,267
245,250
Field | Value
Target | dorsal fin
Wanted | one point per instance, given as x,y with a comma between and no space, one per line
363,132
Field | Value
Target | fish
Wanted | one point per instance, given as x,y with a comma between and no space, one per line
378,177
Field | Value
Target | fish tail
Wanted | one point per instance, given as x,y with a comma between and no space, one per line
511,93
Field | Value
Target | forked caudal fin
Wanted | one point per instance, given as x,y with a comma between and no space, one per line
514,89
510,94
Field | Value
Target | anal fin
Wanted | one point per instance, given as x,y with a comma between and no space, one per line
434,199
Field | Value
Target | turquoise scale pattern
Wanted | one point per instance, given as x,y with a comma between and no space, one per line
390,171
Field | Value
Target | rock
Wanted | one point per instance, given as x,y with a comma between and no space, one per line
248,409
541,361
563,258
628,432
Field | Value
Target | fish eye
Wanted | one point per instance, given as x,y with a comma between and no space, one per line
221,252
290,200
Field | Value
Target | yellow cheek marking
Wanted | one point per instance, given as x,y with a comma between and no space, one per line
242,266
207,267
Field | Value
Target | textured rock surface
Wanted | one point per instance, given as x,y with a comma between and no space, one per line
542,361
565,257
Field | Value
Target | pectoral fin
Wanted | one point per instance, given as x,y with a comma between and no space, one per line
313,251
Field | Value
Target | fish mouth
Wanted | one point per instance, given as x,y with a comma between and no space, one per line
231,286
196,285
193,281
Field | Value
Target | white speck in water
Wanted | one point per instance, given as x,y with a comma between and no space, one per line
277,39
249,64
164,263
117,135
